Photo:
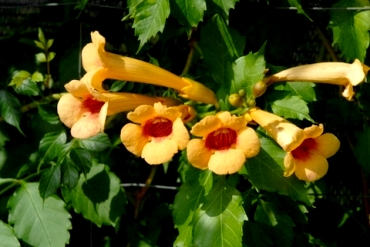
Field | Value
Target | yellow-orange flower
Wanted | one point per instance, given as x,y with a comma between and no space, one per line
307,149
129,69
226,143
85,111
156,134
338,73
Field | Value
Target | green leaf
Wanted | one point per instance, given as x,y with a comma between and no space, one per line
50,181
51,144
295,3
362,148
305,90
98,196
27,87
81,158
19,77
226,5
190,197
220,46
219,222
7,236
49,43
48,113
117,85
96,143
36,221
291,107
39,44
351,27
40,57
41,36
37,77
266,172
10,109
189,13
51,56
248,70
69,173
150,18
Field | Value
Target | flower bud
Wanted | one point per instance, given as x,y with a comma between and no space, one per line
259,89
236,100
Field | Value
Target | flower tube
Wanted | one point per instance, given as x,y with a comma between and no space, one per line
156,134
226,143
85,113
130,69
307,149
338,73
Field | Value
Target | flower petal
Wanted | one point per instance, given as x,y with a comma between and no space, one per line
206,126
87,126
232,122
69,109
311,169
159,151
248,142
198,92
327,145
180,134
197,153
289,164
142,114
133,139
313,131
226,161
170,113
77,88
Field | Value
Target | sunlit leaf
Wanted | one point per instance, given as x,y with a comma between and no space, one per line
150,18
10,109
49,43
96,143
291,107
50,181
82,159
19,77
189,12
351,27
98,196
266,172
226,5
37,77
51,144
190,197
51,56
7,236
39,222
28,87
40,57
41,36
219,222
39,44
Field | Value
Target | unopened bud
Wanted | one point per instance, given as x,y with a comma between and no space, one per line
251,103
259,89
236,100
241,92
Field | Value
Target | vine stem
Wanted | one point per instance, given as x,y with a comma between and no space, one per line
190,54
141,193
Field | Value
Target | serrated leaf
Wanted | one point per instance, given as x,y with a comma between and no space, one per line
291,107
219,222
40,57
226,5
187,201
82,159
50,181
150,18
7,236
266,172
220,46
295,3
51,144
49,43
19,77
351,27
36,221
106,205
48,113
69,173
96,143
10,109
248,70
189,13
37,77
51,56
305,90
27,87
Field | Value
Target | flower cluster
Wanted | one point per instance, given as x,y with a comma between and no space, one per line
221,142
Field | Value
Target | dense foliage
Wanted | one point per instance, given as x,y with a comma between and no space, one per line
58,190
